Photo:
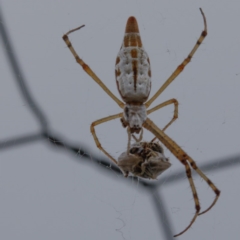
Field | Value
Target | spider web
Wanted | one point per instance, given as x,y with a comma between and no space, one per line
45,193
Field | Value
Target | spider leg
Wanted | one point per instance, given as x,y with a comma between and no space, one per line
180,68
175,113
139,139
183,157
100,121
209,182
195,197
87,69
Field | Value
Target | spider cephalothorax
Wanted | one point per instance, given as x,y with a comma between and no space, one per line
134,116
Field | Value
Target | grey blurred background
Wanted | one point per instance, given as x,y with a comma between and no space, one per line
70,191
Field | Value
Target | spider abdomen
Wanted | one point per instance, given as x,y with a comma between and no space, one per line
133,73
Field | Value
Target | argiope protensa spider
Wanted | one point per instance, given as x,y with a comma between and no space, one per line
133,77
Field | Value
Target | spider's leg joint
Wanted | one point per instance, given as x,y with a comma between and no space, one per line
193,165
188,172
197,207
124,122
65,38
204,34
85,67
181,67
183,161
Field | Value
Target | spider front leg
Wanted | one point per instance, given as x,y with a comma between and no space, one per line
184,158
180,68
100,121
87,69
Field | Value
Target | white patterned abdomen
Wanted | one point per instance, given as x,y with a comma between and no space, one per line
133,73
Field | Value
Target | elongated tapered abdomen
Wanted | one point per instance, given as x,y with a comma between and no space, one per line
133,73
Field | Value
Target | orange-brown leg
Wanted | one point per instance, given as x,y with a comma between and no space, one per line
195,196
164,104
180,68
183,157
87,69
100,121
209,182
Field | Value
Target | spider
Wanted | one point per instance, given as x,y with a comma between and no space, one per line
133,78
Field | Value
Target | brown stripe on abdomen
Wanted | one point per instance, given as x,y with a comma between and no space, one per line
135,72
132,40
117,60
134,53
